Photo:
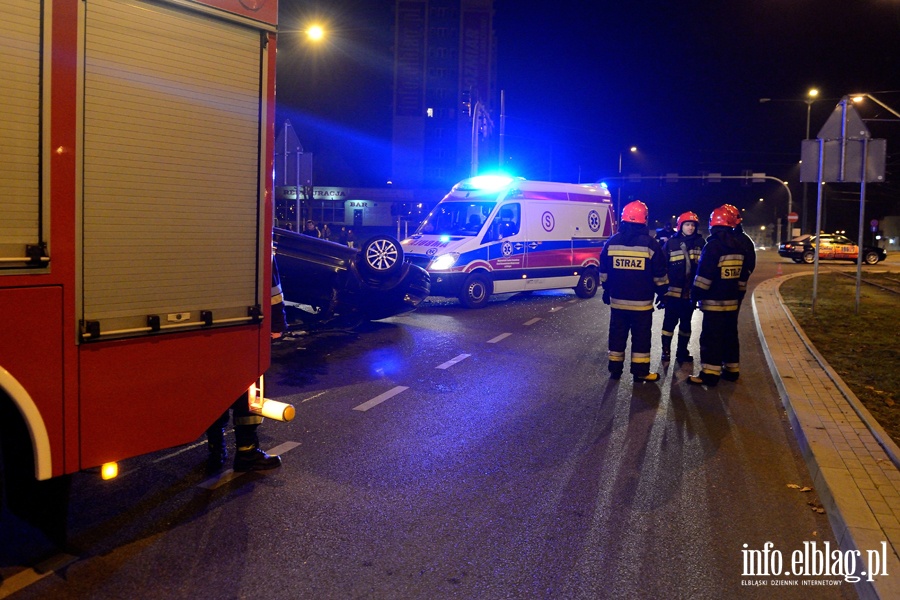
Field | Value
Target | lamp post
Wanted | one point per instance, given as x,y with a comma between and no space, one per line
811,96
619,190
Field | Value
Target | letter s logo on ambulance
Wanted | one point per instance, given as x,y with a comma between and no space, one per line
629,263
594,221
547,221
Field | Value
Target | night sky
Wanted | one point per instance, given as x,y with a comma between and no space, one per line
585,80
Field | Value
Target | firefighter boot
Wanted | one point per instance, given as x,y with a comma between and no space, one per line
215,444
682,355
666,348
645,378
731,371
249,456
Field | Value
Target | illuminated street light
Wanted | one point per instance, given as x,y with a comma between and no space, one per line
315,33
811,96
857,98
619,190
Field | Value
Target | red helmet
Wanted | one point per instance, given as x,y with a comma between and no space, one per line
721,217
684,218
734,212
635,212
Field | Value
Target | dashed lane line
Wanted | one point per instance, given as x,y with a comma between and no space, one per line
453,361
532,321
380,398
499,338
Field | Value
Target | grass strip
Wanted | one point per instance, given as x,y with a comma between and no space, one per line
862,348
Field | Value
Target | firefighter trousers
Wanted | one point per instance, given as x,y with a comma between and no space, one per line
639,324
719,344
678,313
245,425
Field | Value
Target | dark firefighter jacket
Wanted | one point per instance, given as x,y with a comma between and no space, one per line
721,280
633,268
682,253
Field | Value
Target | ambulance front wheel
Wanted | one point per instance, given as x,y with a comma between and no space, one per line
476,290
587,285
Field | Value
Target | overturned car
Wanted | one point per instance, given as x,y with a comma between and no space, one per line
327,284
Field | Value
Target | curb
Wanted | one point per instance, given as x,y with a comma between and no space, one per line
839,439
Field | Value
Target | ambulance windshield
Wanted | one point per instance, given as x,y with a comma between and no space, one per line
456,219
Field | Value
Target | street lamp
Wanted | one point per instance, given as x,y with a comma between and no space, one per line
619,190
857,98
315,33
811,96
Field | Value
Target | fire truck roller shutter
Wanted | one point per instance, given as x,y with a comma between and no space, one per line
20,49
172,184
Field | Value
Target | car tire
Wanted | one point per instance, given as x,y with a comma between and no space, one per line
870,258
809,257
797,260
381,255
588,284
476,290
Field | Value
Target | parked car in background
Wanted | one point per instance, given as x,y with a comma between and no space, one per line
833,247
330,284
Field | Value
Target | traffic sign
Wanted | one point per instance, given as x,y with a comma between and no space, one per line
874,222
793,217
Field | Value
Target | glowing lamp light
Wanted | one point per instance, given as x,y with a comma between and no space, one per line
315,33
444,261
109,471
489,182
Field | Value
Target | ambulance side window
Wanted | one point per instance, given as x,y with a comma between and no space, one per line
506,223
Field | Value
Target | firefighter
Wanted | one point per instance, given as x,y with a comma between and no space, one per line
719,287
632,270
249,456
681,251
743,239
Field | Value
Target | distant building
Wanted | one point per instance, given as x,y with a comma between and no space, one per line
444,70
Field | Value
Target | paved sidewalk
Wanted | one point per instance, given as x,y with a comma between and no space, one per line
853,463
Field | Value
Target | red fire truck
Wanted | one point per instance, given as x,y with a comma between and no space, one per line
136,139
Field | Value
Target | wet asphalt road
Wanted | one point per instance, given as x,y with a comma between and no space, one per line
451,453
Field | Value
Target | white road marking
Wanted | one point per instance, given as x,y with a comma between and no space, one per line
532,322
230,474
453,361
499,338
23,579
380,398
313,397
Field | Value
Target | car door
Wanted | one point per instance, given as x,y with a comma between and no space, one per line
505,238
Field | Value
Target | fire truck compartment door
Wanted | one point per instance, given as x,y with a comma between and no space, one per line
172,194
20,47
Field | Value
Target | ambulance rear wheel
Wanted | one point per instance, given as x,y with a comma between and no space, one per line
587,285
476,290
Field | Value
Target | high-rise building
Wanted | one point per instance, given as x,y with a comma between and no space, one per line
444,83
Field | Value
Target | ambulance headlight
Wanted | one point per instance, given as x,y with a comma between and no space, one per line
444,261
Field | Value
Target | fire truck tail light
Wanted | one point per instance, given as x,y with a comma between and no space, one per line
109,471
279,411
272,409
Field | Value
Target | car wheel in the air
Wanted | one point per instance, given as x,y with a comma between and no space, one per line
476,290
587,285
382,255
870,258
809,257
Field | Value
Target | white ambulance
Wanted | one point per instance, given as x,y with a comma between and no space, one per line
495,235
